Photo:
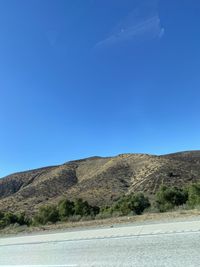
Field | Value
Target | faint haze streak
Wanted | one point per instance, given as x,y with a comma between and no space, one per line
141,25
151,28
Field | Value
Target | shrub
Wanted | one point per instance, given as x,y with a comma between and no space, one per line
169,197
65,209
2,224
81,207
194,195
84,209
1,215
46,214
94,210
105,212
138,203
22,219
122,206
8,218
130,204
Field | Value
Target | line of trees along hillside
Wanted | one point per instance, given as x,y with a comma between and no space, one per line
167,198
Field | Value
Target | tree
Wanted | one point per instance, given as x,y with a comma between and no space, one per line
169,197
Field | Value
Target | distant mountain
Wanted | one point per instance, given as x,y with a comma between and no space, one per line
98,180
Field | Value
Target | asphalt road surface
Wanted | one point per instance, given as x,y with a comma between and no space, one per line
159,244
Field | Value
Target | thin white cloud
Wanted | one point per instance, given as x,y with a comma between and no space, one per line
142,24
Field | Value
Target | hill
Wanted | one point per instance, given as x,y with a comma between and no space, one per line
98,180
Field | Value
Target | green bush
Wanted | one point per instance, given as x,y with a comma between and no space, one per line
94,210
138,203
130,204
169,197
1,215
84,209
81,207
9,218
22,219
105,212
194,195
46,214
65,209
122,206
2,222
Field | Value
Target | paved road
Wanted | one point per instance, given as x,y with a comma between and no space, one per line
167,244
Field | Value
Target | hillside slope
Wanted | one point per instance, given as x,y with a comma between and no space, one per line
98,180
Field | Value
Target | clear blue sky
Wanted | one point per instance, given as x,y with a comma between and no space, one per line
97,77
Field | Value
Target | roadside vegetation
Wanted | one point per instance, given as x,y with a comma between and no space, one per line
127,205
166,199
66,210
169,197
8,218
